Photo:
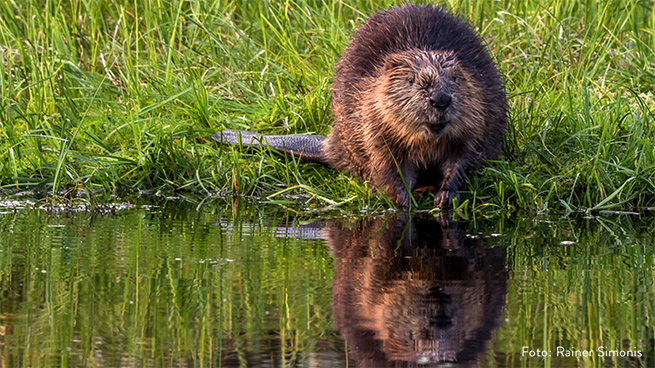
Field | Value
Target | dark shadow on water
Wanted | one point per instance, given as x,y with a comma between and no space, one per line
414,292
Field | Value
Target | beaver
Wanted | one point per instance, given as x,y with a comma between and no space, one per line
417,102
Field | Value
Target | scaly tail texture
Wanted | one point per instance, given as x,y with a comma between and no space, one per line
307,147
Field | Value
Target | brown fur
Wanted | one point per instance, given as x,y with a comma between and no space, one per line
386,122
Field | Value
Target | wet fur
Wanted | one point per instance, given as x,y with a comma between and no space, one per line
384,122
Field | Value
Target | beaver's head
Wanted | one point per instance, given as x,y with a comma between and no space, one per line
430,93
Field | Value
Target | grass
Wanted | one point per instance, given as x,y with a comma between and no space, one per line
122,97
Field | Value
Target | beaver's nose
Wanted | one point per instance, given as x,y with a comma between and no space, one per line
441,100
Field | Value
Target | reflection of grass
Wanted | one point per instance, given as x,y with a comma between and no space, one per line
138,289
217,286
595,291
125,98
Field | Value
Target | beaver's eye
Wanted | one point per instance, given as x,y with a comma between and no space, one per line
455,78
410,80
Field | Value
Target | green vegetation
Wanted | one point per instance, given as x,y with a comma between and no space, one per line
123,96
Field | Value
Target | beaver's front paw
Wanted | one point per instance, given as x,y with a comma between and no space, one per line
444,198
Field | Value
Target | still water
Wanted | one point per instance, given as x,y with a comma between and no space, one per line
231,285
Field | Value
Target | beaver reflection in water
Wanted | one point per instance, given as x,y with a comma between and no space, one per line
414,292
417,103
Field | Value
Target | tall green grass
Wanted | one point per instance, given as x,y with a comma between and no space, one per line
123,96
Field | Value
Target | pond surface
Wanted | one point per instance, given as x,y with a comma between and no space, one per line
228,285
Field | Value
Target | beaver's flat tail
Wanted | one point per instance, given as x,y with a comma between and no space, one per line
305,146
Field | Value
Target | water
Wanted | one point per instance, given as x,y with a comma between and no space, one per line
228,285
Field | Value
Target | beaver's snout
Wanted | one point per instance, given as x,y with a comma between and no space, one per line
441,100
